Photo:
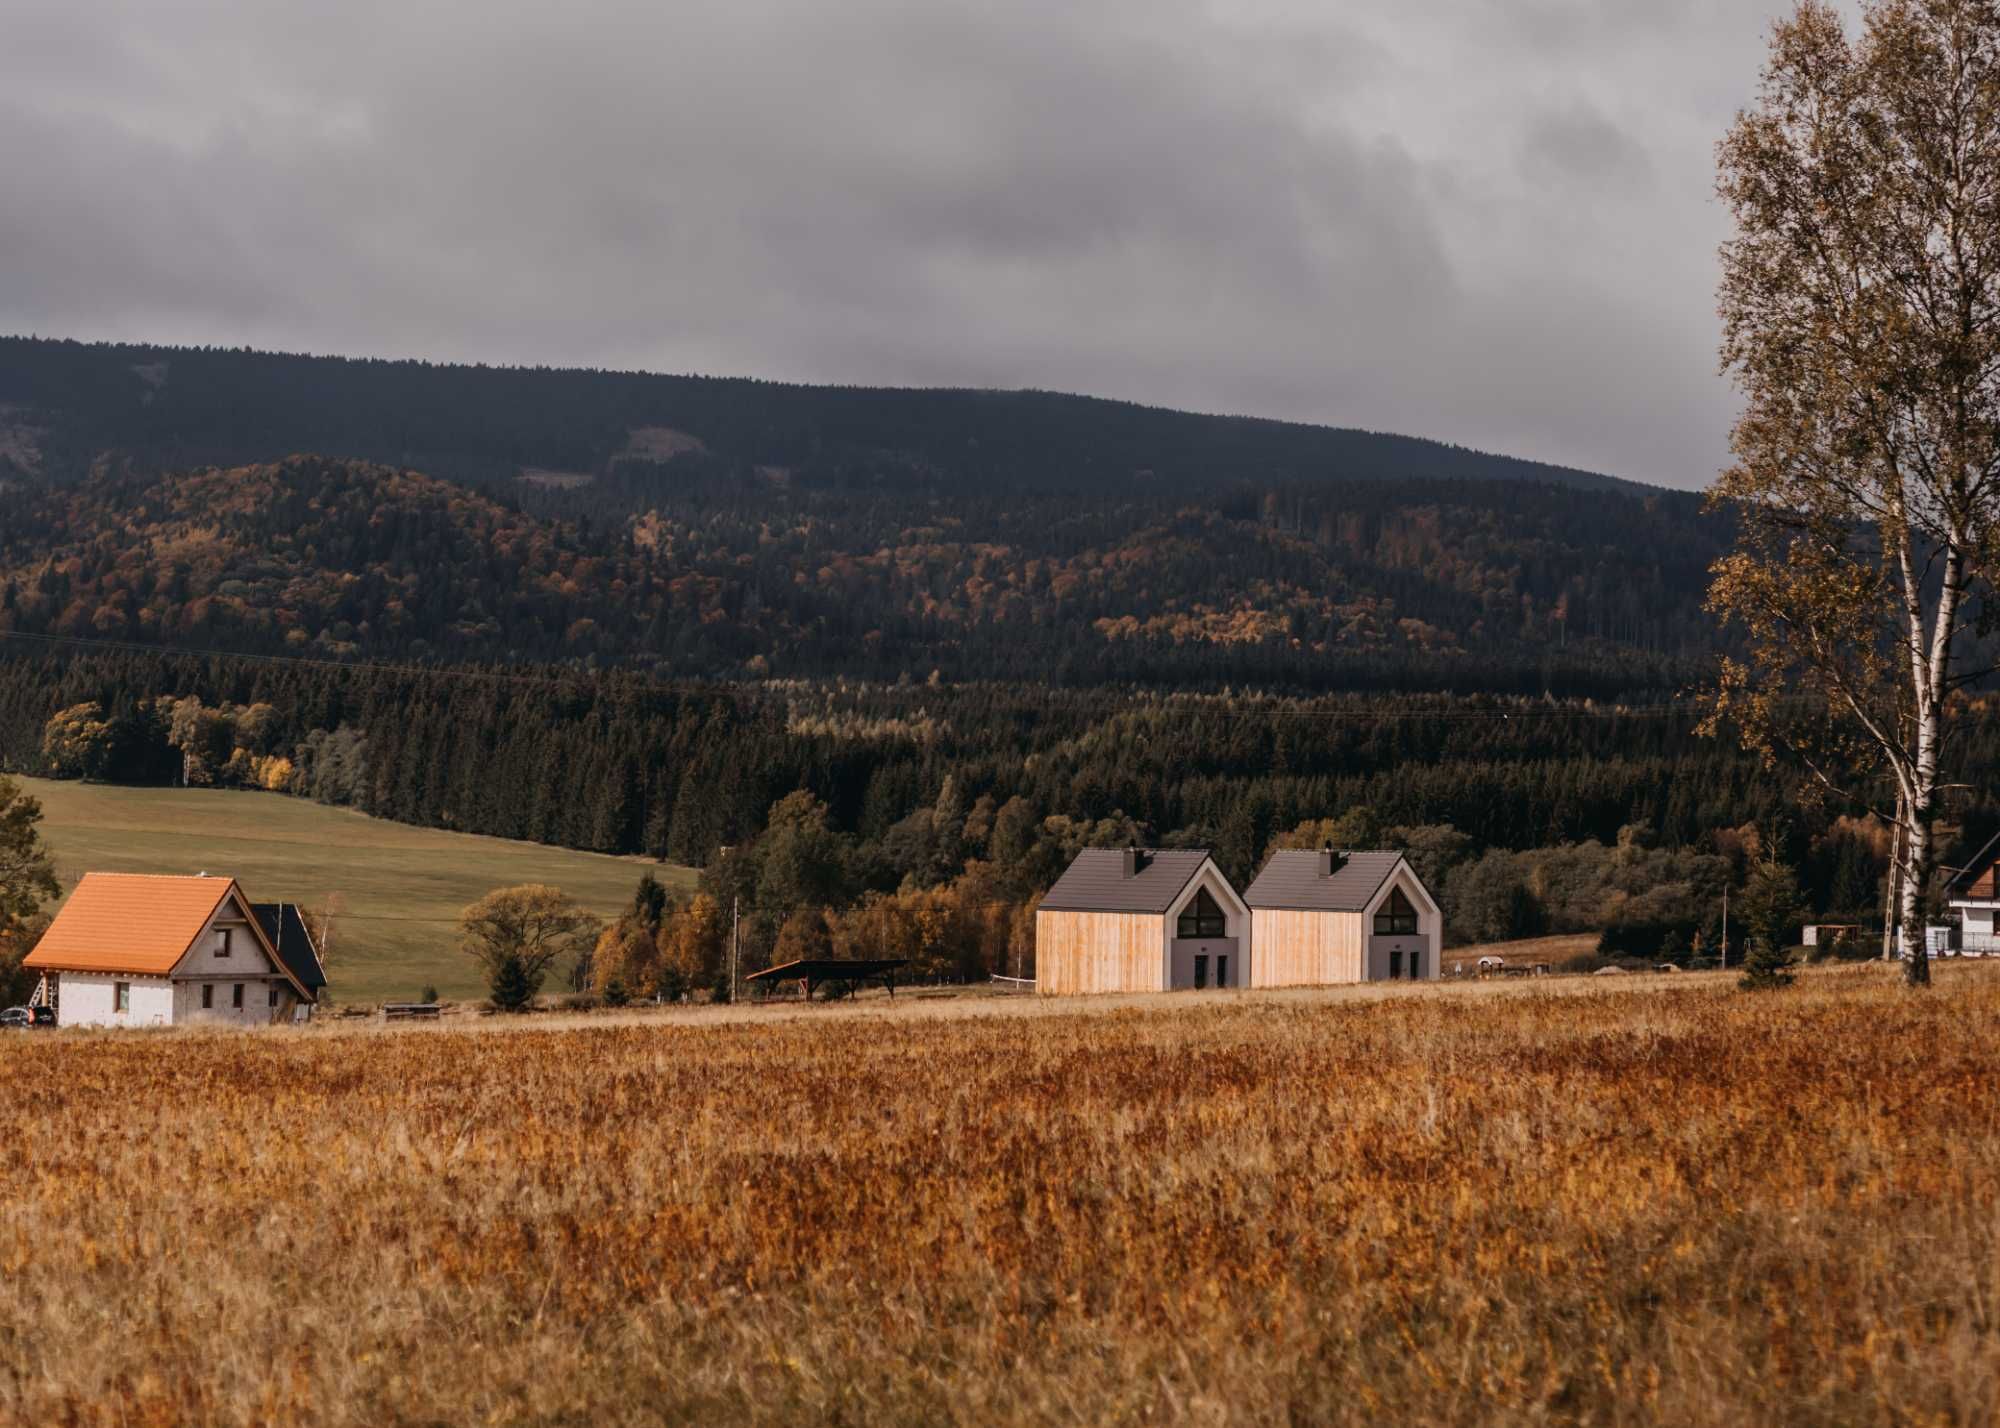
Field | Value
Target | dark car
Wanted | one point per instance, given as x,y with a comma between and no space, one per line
26,1018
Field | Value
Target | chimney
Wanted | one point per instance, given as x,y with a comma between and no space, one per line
1330,861
1133,860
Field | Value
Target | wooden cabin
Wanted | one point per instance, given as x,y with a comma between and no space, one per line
1141,920
1323,917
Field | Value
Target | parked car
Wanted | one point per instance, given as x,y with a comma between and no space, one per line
27,1018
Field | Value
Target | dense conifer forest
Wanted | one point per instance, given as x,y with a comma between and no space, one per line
837,647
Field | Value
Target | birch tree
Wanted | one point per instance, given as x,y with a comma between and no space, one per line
1860,302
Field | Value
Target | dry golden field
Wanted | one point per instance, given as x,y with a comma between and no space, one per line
1656,1201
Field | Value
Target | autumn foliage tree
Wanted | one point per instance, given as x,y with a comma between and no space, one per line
1861,311
27,881
517,934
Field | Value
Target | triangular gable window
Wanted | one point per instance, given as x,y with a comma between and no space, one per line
1396,918
1202,918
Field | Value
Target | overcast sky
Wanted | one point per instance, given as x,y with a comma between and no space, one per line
1487,221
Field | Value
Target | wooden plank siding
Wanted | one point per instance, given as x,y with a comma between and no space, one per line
1305,949
1082,952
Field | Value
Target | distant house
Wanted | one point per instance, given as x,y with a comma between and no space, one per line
1975,896
139,950
1320,917
1140,920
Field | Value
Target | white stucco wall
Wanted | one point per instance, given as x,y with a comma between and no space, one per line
255,1011
89,998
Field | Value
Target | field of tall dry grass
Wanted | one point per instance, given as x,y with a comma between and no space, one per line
1656,1201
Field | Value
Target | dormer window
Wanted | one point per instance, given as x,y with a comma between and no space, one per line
1396,918
1202,918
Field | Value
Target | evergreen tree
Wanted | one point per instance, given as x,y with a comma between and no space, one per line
1770,903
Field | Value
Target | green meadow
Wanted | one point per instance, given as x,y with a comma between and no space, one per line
400,888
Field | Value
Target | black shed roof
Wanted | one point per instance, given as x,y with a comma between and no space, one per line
1294,879
286,928
1098,881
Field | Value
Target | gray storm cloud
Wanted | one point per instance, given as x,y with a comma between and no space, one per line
1487,221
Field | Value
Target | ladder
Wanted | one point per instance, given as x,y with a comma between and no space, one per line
46,992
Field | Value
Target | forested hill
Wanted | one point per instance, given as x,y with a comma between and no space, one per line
64,405
695,570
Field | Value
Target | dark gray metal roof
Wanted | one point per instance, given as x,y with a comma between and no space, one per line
1293,880
286,928
1096,881
1974,869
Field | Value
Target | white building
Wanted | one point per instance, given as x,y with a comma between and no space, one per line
133,949
1975,896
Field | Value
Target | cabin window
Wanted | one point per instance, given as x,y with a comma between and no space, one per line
1200,971
274,993
1202,918
236,995
1396,964
1396,918
207,995
1417,965
1222,971
224,938
121,996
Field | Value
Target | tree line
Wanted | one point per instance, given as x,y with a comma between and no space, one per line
929,818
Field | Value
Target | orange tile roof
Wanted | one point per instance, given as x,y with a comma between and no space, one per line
129,922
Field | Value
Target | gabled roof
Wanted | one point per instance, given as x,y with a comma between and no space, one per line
1097,881
129,922
1292,881
285,929
1976,870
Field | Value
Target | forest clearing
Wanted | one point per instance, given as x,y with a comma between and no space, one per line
1660,1199
400,889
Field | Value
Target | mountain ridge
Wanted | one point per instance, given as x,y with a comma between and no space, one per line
705,573
65,405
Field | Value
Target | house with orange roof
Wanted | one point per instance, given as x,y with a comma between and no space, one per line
130,949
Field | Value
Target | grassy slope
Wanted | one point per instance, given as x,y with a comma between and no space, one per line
402,887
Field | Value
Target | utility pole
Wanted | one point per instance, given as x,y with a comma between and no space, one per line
735,942
1891,898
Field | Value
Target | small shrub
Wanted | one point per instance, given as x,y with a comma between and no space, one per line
616,993
1765,967
428,996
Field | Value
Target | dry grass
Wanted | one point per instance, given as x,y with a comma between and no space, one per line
1553,950
1659,1201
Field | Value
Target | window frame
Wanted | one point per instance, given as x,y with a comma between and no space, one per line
236,997
208,996
1397,916
1195,916
121,998
228,942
